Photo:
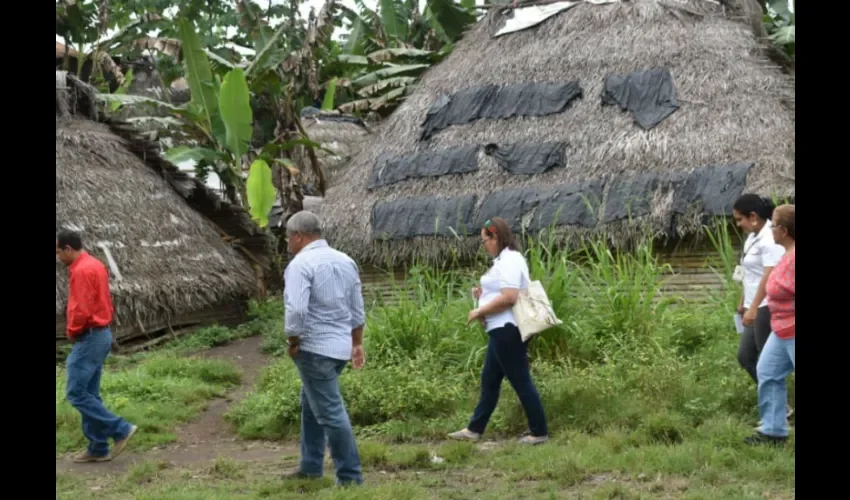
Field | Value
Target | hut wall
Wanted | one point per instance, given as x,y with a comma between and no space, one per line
691,276
225,314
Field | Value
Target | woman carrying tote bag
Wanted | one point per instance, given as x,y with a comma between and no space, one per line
507,353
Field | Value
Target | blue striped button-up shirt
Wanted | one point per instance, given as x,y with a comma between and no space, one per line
323,300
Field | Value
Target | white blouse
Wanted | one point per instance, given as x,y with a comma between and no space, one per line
760,251
509,271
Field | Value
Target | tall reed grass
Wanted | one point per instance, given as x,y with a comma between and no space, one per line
622,357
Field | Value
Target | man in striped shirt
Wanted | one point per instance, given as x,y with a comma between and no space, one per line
324,324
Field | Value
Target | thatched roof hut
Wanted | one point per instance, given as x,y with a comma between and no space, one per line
179,257
539,148
341,137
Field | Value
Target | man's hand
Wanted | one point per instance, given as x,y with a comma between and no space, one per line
358,357
750,316
293,348
476,292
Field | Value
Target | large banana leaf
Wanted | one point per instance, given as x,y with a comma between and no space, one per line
133,100
391,70
355,36
393,19
182,154
353,59
263,56
260,191
330,94
235,109
385,55
198,73
398,81
159,122
454,19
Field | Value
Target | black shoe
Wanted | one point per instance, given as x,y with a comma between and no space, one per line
758,438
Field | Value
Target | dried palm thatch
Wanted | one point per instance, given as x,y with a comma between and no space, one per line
736,106
174,249
341,138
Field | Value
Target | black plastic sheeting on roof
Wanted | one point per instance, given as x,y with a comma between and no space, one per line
716,187
526,159
389,170
411,217
649,95
493,101
535,209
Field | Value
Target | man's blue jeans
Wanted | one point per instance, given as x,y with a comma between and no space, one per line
323,415
82,389
775,365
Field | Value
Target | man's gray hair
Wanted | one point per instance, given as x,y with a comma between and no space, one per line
304,222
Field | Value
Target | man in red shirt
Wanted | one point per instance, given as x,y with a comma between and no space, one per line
89,315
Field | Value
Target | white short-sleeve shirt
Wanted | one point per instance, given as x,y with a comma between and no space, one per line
760,251
509,271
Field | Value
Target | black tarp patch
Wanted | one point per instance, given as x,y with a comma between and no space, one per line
535,209
411,217
431,163
526,159
649,95
630,197
715,187
494,102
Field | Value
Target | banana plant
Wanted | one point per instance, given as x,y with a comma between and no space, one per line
216,128
780,22
388,49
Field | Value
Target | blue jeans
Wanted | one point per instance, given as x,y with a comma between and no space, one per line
82,389
507,356
323,415
776,363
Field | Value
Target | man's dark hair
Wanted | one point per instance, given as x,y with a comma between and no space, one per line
68,238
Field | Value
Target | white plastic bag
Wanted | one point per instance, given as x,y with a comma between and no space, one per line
533,311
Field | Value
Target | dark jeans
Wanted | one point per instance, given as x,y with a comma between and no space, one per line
323,415
752,342
82,389
507,356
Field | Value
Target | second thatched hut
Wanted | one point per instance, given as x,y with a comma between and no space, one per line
610,118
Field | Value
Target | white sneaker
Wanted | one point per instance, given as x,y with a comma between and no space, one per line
529,439
465,435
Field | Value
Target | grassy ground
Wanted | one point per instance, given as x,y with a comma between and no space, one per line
157,390
643,394
606,466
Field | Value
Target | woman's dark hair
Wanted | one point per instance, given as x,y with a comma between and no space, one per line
785,218
754,204
499,228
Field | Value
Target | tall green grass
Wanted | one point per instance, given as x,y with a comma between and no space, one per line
623,358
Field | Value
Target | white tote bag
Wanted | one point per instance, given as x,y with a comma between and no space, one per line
533,311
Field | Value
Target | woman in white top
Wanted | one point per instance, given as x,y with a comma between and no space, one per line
752,214
507,354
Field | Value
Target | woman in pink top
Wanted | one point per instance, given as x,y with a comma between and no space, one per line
777,359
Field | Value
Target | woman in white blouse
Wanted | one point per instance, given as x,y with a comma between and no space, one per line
507,354
752,215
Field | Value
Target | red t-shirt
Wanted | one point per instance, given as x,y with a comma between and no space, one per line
781,288
89,302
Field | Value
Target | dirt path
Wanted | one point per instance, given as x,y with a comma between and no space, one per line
209,436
